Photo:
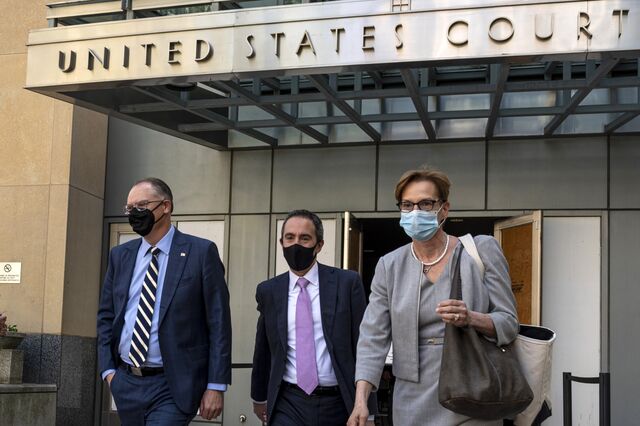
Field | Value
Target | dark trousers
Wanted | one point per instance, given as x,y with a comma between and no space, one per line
295,408
146,401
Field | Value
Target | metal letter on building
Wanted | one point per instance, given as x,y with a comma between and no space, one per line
305,43
501,30
252,50
399,42
620,13
208,53
584,21
147,53
173,52
337,32
62,61
276,38
458,33
93,56
125,56
368,37
544,26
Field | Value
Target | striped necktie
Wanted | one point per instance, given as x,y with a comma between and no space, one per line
142,327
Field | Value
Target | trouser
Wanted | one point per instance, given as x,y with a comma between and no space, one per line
146,401
295,408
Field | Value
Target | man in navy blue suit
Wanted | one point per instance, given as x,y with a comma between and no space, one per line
164,327
305,348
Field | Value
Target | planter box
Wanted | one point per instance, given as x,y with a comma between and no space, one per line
11,340
11,362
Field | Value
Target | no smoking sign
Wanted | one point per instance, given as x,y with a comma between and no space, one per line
10,272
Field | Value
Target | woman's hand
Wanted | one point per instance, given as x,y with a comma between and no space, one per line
360,413
454,312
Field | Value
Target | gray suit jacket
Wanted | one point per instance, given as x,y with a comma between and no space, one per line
392,313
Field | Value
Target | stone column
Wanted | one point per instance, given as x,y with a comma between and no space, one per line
52,189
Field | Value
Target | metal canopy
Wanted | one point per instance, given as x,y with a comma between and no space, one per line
480,97
203,112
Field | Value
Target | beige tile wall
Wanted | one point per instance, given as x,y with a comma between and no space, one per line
23,238
82,266
52,162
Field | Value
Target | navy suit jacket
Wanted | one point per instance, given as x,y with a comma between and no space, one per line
342,305
194,325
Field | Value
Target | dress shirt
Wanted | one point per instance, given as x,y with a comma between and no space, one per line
326,375
154,357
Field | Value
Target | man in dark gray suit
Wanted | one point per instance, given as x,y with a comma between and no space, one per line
307,333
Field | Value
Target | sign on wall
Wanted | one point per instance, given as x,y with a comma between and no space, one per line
10,272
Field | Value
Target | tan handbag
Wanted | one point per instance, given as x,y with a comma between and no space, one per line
478,378
533,347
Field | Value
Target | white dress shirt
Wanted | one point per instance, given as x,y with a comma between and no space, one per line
326,375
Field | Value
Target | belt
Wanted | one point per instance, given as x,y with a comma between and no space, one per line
318,391
432,341
142,371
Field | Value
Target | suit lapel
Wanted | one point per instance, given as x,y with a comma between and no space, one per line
328,295
281,302
178,255
128,263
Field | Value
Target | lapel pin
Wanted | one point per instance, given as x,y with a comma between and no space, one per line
183,254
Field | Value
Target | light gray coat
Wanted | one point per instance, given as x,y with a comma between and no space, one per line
392,314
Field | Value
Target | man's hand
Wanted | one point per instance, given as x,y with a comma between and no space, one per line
211,404
260,410
109,378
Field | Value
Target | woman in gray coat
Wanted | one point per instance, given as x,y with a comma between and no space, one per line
409,306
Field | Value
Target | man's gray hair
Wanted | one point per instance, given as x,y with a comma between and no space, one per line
160,187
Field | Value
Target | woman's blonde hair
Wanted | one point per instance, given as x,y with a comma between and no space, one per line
439,179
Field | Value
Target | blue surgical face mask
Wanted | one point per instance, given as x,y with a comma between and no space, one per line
419,224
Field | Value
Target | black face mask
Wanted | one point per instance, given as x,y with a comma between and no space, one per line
299,257
142,221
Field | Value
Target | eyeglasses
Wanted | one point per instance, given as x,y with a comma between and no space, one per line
139,206
426,205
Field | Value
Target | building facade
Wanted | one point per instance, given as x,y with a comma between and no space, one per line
531,107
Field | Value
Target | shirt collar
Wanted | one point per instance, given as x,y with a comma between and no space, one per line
311,276
164,244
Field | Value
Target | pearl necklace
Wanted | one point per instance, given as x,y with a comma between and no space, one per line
426,266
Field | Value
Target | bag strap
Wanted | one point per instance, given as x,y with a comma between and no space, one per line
456,281
470,246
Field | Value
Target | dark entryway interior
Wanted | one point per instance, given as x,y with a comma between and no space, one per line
383,235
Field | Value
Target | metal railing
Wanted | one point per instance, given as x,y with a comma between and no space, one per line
603,382
77,12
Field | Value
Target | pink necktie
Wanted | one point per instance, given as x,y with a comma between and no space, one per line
306,369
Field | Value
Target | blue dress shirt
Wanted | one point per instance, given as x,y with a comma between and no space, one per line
154,358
